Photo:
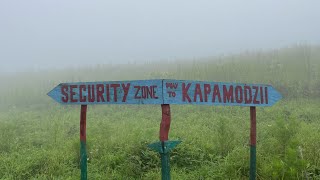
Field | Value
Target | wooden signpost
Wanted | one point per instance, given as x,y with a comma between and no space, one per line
165,92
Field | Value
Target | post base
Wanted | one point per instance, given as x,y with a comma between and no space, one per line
163,147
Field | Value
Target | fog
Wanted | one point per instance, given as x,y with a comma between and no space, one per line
37,34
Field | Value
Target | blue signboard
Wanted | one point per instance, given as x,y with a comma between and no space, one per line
218,93
112,92
164,91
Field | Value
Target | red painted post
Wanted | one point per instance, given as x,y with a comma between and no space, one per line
253,129
83,139
253,141
165,122
164,136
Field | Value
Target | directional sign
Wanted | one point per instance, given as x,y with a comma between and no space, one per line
218,93
164,91
112,92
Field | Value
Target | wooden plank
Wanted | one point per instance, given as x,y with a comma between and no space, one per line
218,93
166,92
112,92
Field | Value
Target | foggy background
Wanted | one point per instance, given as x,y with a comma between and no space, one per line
37,34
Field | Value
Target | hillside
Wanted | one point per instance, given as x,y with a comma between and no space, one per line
39,139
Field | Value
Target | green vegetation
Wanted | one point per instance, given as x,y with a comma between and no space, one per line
39,139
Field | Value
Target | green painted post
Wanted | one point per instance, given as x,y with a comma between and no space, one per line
253,163
253,134
165,166
83,161
83,148
164,149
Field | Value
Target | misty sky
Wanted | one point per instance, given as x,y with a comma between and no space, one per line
58,33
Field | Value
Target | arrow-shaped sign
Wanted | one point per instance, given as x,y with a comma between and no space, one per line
164,91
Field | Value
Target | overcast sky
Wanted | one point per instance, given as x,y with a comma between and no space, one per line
59,33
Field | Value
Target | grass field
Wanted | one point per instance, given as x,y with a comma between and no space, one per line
39,139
